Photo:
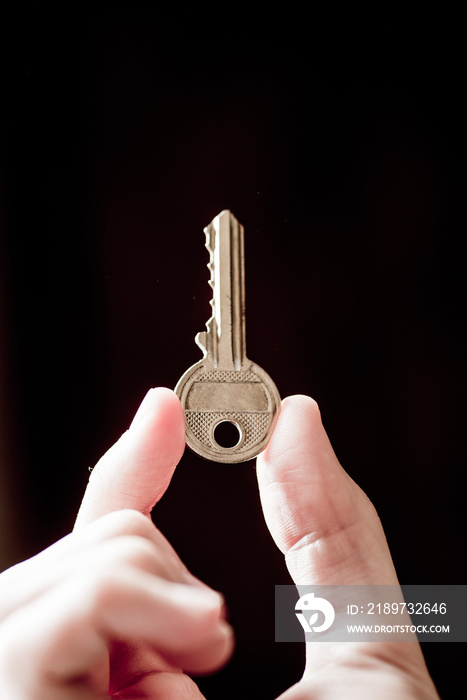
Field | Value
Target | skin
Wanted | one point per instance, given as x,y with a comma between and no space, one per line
110,611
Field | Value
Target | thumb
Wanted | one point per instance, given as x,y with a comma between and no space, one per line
318,516
137,470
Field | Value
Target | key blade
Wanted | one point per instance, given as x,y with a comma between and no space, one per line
224,341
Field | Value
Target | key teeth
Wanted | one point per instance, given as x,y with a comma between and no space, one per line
203,339
210,324
201,342
210,264
209,232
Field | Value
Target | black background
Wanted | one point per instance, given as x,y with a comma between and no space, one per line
339,143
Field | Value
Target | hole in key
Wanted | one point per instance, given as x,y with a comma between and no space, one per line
227,434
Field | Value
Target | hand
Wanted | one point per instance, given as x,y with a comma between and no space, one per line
110,610
70,617
330,534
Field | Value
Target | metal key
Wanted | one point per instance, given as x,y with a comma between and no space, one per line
225,389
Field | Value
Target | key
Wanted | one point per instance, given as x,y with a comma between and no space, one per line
230,403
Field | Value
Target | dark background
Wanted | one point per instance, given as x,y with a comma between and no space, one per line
340,144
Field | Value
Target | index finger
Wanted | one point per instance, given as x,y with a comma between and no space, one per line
137,470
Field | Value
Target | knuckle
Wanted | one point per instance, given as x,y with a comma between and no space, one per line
137,551
135,523
100,589
128,522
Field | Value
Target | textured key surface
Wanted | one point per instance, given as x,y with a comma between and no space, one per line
225,389
247,398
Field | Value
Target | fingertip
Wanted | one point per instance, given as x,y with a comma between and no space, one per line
162,410
212,655
298,428
217,653
303,410
302,402
156,399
